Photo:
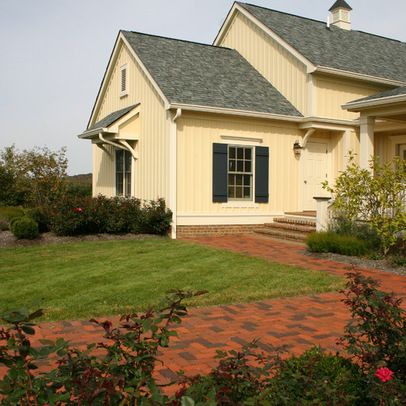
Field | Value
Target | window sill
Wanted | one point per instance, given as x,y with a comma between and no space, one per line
122,95
240,205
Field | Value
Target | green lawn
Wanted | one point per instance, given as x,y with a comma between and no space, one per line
80,280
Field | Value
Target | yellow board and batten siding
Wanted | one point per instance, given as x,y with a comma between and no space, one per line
196,134
332,92
275,63
151,174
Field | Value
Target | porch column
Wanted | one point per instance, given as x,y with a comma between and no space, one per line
367,125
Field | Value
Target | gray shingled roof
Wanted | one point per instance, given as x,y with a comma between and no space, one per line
111,118
398,91
333,47
340,3
205,75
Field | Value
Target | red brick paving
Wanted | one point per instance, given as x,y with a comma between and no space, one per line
298,322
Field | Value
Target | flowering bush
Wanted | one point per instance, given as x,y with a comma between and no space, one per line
86,215
120,371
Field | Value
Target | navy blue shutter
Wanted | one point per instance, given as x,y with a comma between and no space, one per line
261,174
220,152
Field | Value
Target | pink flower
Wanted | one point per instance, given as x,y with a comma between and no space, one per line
384,374
78,210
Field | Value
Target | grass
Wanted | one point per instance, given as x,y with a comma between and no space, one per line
88,279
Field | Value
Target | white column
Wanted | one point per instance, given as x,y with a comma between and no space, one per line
346,147
367,125
322,216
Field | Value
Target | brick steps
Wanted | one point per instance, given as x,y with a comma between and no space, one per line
294,228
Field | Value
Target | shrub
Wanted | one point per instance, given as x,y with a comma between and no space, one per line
120,370
358,229
375,195
25,228
75,216
340,244
240,376
399,260
41,217
78,190
315,378
116,372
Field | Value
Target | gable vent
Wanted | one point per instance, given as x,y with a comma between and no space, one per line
124,81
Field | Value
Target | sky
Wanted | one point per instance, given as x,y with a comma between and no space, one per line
54,54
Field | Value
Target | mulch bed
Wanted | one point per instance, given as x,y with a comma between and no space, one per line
380,264
7,239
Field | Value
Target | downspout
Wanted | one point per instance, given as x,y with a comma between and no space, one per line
173,169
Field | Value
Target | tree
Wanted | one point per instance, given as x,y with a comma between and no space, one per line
33,177
376,196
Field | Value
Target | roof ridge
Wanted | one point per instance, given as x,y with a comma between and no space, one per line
177,39
281,12
318,21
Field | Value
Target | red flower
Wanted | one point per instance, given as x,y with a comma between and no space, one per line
78,210
384,374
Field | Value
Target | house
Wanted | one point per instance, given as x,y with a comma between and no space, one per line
235,134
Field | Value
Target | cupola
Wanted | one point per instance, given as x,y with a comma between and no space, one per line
341,15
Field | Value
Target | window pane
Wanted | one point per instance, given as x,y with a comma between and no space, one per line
247,180
119,184
240,153
231,192
232,152
239,180
240,166
232,167
119,160
231,180
128,159
128,184
247,166
247,192
248,153
238,192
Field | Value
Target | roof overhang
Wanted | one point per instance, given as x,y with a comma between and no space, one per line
234,112
357,76
360,105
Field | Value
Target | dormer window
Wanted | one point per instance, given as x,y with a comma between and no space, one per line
124,81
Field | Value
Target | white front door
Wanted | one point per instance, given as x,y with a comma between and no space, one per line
315,172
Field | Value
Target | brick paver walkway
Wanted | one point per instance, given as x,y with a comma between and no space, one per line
298,322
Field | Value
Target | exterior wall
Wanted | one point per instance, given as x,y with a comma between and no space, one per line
386,145
334,91
195,137
276,64
150,170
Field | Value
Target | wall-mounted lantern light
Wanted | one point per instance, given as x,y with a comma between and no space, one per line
297,148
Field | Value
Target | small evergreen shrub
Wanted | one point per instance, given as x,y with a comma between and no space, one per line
40,216
25,228
339,244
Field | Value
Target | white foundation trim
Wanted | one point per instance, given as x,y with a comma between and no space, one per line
225,219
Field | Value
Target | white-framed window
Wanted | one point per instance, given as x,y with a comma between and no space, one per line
124,80
240,172
402,153
123,172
